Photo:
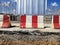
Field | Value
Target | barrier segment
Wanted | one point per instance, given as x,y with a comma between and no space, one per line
52,25
55,21
28,21
40,21
23,21
6,21
34,21
1,20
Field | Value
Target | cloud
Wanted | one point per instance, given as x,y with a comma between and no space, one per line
49,9
54,4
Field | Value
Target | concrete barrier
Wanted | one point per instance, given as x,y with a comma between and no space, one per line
6,21
28,21
56,21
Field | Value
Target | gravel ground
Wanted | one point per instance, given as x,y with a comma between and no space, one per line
29,38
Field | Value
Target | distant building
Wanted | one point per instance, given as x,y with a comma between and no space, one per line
31,6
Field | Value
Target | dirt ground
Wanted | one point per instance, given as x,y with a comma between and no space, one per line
19,42
18,39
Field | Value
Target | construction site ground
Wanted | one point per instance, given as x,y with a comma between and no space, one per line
27,39
17,36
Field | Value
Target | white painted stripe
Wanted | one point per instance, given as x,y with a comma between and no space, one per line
59,20
52,22
29,21
1,17
40,22
52,19
1,20
40,19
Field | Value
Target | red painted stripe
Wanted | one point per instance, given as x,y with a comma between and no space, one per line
23,21
34,21
6,21
56,21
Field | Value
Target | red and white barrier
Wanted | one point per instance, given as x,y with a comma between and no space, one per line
31,21
6,21
56,21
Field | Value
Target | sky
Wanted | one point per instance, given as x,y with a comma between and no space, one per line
53,6
53,3
50,4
